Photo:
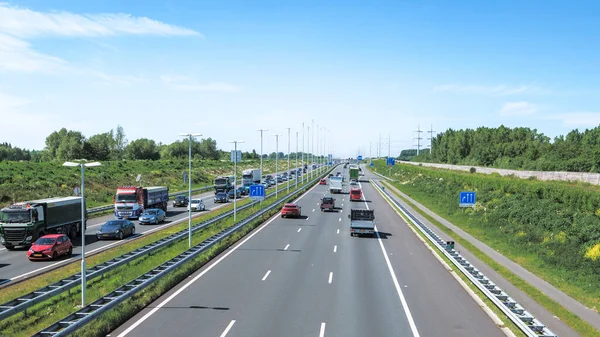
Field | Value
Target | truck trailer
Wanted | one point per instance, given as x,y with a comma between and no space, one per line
251,176
131,201
335,185
354,172
23,223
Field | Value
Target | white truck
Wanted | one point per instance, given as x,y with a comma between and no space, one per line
335,185
251,176
362,221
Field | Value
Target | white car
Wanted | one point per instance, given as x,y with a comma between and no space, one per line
197,205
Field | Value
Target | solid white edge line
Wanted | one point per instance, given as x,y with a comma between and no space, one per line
330,277
211,266
266,275
335,248
286,247
229,326
470,291
411,321
322,330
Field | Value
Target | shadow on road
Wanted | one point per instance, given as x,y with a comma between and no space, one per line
193,307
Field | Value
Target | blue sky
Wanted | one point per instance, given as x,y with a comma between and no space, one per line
227,68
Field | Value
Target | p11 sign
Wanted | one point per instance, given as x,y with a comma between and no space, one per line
467,199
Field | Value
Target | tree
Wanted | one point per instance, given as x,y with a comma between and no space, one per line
64,145
119,144
98,147
142,149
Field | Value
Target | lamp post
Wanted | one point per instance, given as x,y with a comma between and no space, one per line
190,135
261,156
296,175
276,164
235,177
288,155
312,151
83,226
303,152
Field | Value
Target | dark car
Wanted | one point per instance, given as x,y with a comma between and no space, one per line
116,229
181,201
152,215
327,203
244,190
234,194
50,247
221,197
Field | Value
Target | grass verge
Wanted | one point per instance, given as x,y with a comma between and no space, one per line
569,318
53,309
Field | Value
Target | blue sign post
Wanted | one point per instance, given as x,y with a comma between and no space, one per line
467,199
257,192
372,164
390,161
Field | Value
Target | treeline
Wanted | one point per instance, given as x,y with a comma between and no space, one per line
113,145
517,148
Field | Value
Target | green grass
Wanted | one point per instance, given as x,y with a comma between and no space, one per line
570,319
21,181
56,308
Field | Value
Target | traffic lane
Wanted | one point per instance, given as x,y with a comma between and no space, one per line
231,284
17,266
432,294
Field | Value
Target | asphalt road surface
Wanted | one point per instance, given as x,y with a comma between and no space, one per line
15,266
308,277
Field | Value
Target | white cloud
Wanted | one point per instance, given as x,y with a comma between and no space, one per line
184,83
518,109
19,25
497,90
25,23
578,119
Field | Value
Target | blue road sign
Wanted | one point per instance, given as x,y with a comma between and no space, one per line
257,192
372,164
391,161
236,156
467,199
359,158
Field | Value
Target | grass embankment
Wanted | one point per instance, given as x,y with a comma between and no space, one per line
56,308
547,227
21,181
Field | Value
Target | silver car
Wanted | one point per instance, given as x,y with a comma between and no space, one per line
152,215
197,205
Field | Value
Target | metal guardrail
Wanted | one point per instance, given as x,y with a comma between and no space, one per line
524,320
75,321
109,207
24,302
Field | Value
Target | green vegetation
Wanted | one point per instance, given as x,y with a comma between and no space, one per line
56,308
20,181
518,148
550,228
570,319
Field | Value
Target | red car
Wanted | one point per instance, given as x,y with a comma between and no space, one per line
355,194
50,247
291,209
323,182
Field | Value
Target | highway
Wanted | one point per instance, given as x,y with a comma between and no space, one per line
15,266
308,277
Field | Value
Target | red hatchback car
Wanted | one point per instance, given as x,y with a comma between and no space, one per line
323,182
50,247
291,209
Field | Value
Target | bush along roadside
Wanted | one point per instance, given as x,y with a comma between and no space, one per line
550,228
45,313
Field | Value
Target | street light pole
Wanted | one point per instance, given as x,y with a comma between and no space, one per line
261,157
276,164
288,155
235,159
303,152
312,147
190,135
296,175
82,226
